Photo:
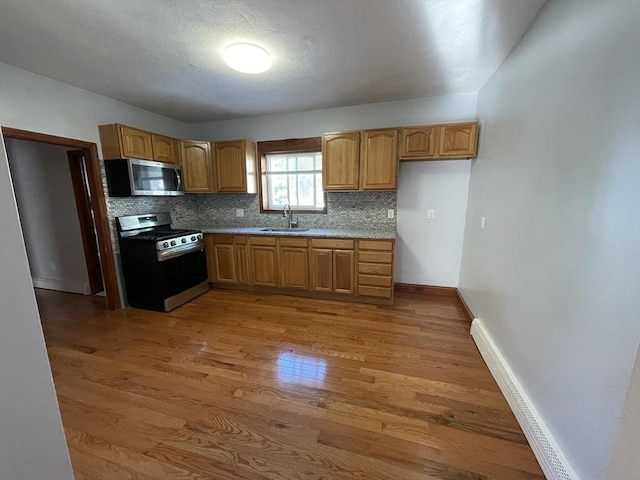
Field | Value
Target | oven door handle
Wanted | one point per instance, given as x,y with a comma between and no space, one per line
179,251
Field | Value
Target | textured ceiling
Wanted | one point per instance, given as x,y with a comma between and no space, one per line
165,55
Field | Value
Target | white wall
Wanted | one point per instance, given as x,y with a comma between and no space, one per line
555,275
29,416
48,215
428,251
32,442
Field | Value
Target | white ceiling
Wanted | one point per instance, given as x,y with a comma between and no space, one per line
165,55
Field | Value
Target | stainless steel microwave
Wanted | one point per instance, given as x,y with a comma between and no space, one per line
128,177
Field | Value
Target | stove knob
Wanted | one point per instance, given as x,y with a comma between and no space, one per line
184,240
199,237
193,239
173,243
165,244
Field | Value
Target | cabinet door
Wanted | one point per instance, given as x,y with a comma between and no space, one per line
211,263
231,166
164,148
341,161
321,263
135,143
225,265
417,142
242,260
264,266
294,267
379,159
343,271
196,167
458,140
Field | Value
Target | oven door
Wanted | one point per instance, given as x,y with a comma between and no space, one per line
183,278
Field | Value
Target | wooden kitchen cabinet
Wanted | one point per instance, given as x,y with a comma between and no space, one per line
197,169
341,161
235,166
164,149
241,250
458,140
439,142
332,266
120,141
293,260
228,259
375,268
366,160
264,261
418,142
379,160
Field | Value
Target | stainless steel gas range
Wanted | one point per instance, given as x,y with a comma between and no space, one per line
163,267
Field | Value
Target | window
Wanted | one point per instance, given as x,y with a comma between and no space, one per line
291,172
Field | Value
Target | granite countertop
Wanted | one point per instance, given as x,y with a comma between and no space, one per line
301,232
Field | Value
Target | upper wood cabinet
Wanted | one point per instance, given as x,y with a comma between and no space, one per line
365,160
379,162
439,142
235,166
458,140
341,161
120,141
197,169
165,149
418,142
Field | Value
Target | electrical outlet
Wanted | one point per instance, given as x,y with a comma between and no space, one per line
239,212
482,223
431,213
391,213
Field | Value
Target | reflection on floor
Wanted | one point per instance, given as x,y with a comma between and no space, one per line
244,386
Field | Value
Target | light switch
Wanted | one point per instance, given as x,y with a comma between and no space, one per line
431,213
239,212
391,213
482,223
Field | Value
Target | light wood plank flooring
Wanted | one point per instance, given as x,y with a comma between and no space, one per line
237,385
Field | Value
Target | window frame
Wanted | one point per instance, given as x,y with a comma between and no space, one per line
292,145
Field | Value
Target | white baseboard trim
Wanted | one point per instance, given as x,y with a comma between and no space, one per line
551,459
61,285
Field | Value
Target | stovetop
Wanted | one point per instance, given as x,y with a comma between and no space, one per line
159,235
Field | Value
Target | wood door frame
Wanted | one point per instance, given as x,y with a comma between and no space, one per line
77,168
90,151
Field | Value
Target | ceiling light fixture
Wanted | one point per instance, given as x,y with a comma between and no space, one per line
247,58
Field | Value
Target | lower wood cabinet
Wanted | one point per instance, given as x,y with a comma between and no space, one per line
327,267
375,268
263,258
332,266
293,256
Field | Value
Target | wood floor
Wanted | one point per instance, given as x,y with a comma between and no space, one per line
243,386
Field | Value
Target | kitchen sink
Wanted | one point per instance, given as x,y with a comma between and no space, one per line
276,230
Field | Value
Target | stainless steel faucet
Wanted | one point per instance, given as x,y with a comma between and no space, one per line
288,213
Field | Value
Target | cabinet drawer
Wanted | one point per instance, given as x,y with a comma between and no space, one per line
240,239
374,280
376,257
375,268
293,242
263,241
223,239
332,243
375,291
375,244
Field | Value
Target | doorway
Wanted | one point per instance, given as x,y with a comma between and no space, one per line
91,208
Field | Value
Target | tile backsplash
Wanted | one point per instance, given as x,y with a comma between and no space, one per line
353,210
